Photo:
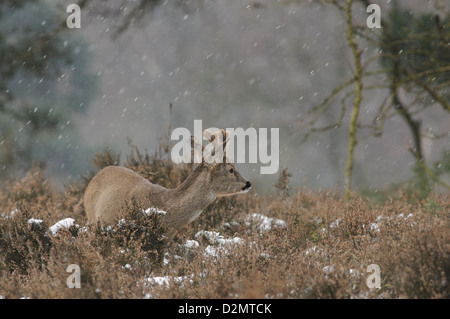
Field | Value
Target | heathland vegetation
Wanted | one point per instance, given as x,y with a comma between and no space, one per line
294,244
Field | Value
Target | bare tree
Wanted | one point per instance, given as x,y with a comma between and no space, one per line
414,55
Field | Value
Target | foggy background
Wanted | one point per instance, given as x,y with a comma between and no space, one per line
229,63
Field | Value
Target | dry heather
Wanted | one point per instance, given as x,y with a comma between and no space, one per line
307,245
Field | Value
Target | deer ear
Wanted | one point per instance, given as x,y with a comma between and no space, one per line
197,151
225,137
208,135
197,156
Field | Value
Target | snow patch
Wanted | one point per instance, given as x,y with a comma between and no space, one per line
328,269
65,223
374,227
263,222
191,243
35,221
152,210
9,215
165,280
314,251
218,244
214,238
335,224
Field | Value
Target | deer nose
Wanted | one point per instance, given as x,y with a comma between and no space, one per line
247,186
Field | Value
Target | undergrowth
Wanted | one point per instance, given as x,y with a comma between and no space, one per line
291,245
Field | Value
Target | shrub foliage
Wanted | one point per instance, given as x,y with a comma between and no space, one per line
299,245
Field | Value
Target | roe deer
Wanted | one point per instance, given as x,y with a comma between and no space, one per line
113,188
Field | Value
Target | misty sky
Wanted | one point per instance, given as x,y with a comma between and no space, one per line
234,65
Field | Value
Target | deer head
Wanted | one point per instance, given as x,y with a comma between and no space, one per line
224,177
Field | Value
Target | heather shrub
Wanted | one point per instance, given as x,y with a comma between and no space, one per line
296,244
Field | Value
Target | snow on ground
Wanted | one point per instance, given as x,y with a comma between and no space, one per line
263,222
153,210
214,238
313,251
335,224
375,226
218,243
191,243
8,215
65,223
165,282
35,221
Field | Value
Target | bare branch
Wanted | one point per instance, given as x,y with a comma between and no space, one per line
427,170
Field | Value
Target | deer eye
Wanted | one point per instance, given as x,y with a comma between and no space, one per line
231,170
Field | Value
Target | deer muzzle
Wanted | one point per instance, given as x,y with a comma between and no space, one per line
247,186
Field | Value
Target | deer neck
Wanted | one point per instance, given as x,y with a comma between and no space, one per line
190,198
